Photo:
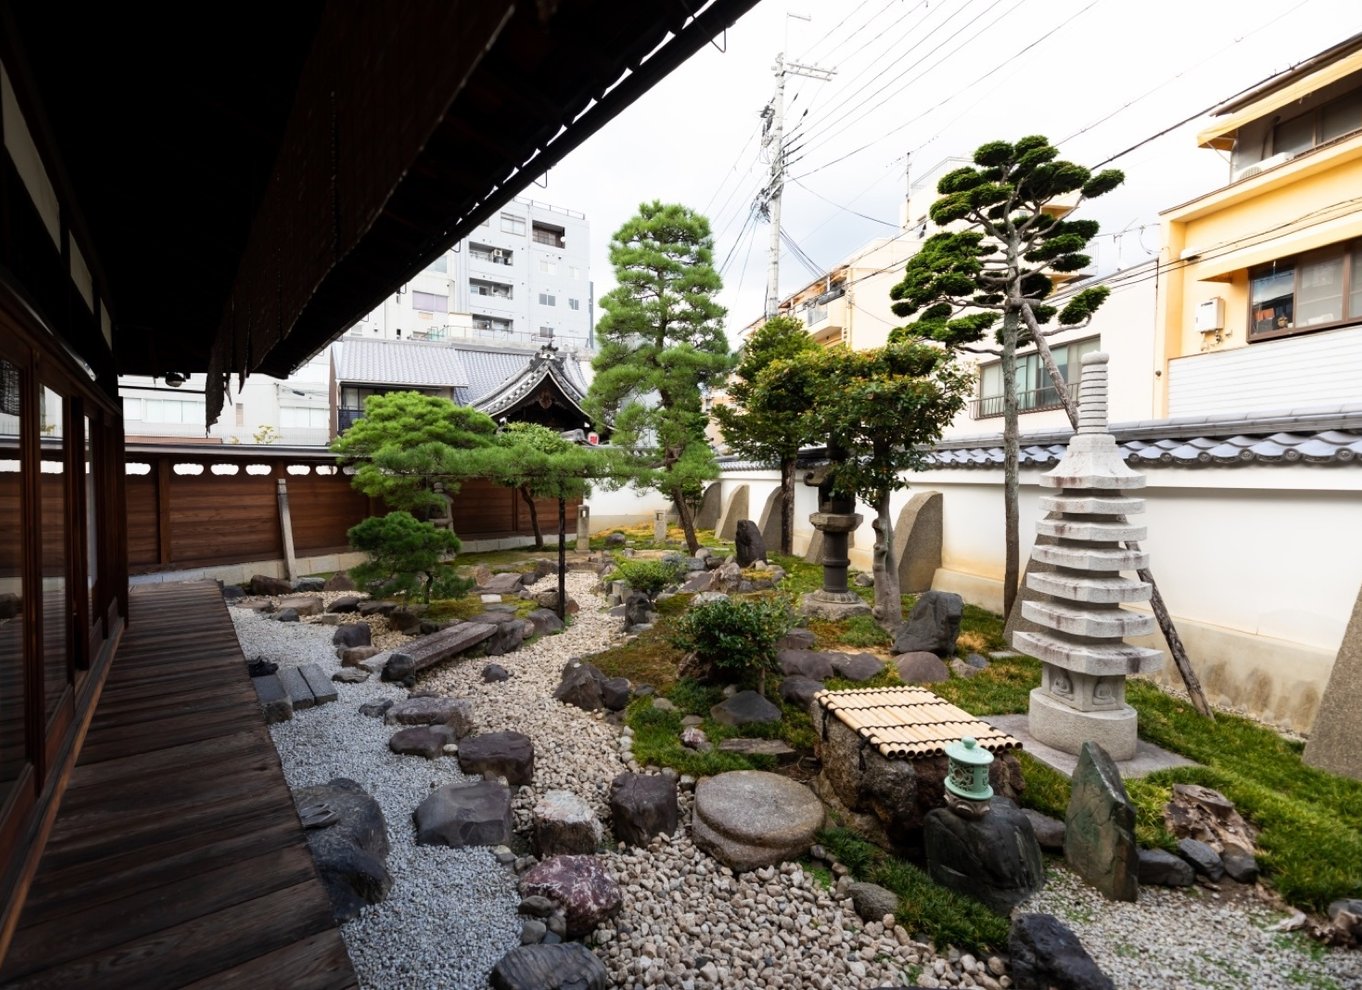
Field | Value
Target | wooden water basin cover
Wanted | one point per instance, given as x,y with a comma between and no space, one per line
909,723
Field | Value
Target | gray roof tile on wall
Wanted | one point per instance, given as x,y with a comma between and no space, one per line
416,363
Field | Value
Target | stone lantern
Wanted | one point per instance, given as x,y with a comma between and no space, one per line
835,519
1081,643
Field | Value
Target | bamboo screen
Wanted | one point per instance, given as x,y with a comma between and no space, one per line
908,723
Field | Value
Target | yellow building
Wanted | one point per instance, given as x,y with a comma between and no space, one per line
1261,307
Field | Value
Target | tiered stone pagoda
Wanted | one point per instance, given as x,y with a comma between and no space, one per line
1081,643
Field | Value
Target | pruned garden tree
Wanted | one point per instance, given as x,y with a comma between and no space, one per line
983,288
661,344
880,410
406,442
763,432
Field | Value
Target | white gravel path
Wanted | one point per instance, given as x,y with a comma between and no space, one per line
687,922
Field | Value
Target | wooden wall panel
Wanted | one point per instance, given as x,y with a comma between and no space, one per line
323,508
223,519
142,533
482,509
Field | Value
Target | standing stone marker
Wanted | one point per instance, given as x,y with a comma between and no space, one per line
1081,639
1333,738
1099,832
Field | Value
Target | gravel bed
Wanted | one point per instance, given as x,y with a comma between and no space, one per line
687,921
1192,939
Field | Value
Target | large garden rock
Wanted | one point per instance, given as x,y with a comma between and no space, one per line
302,604
580,886
260,584
748,544
457,713
351,853
422,740
404,620
872,901
581,686
638,609
889,799
642,806
797,639
806,663
569,966
994,859
1047,954
1049,831
509,754
340,581
507,583
564,824
1160,868
344,604
745,708
353,634
465,815
799,690
1203,858
616,692
933,624
1099,832
546,623
921,668
857,666
749,818
353,656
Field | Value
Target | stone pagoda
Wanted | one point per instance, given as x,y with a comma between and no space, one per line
1081,640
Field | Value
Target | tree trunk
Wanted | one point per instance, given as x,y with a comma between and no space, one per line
787,504
534,518
888,610
687,522
1011,456
1176,649
562,559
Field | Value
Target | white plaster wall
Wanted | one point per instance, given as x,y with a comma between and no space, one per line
626,507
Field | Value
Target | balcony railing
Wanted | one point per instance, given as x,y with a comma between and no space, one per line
1033,400
345,418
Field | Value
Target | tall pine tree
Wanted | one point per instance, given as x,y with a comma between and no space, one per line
661,343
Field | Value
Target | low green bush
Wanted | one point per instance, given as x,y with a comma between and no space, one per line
648,576
736,634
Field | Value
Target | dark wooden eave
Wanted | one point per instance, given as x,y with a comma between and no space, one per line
252,190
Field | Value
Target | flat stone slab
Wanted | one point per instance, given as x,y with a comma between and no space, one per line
465,815
323,691
296,687
745,708
1148,757
502,584
274,700
422,740
750,818
510,754
457,713
436,648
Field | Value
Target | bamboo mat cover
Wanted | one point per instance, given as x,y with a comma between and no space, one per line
907,723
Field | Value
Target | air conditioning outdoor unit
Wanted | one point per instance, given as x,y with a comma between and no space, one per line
1272,161
498,253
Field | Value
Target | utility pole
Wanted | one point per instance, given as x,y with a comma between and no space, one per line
773,139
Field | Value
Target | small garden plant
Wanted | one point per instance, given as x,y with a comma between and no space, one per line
737,635
404,554
651,577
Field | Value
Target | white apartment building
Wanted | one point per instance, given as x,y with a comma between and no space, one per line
523,278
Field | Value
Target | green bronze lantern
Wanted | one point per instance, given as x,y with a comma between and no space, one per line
967,788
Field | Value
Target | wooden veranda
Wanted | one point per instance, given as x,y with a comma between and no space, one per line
177,858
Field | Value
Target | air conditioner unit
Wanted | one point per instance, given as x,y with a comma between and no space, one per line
498,253
1272,161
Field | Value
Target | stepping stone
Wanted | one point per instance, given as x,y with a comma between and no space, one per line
745,708
921,668
457,713
775,748
797,639
502,584
323,691
806,663
510,754
797,690
564,824
353,656
297,688
490,599
274,699
349,603
749,818
642,806
465,815
422,740
351,675
286,615
302,604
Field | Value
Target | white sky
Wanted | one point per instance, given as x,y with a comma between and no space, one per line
909,80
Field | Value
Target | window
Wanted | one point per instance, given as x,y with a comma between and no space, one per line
494,324
548,266
492,255
511,224
481,287
574,304
1309,292
574,272
440,264
240,414
1327,122
548,236
545,299
165,410
1035,391
430,302
304,417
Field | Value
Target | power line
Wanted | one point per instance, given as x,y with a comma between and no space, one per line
844,209
731,170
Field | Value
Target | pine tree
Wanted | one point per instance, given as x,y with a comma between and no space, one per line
661,345
995,275
761,431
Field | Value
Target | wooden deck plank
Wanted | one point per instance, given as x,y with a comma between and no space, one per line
177,858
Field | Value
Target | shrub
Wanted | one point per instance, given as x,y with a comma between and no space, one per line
403,553
647,576
737,635
448,583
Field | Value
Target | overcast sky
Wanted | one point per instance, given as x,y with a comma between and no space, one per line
931,79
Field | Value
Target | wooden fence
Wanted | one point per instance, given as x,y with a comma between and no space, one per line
199,507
